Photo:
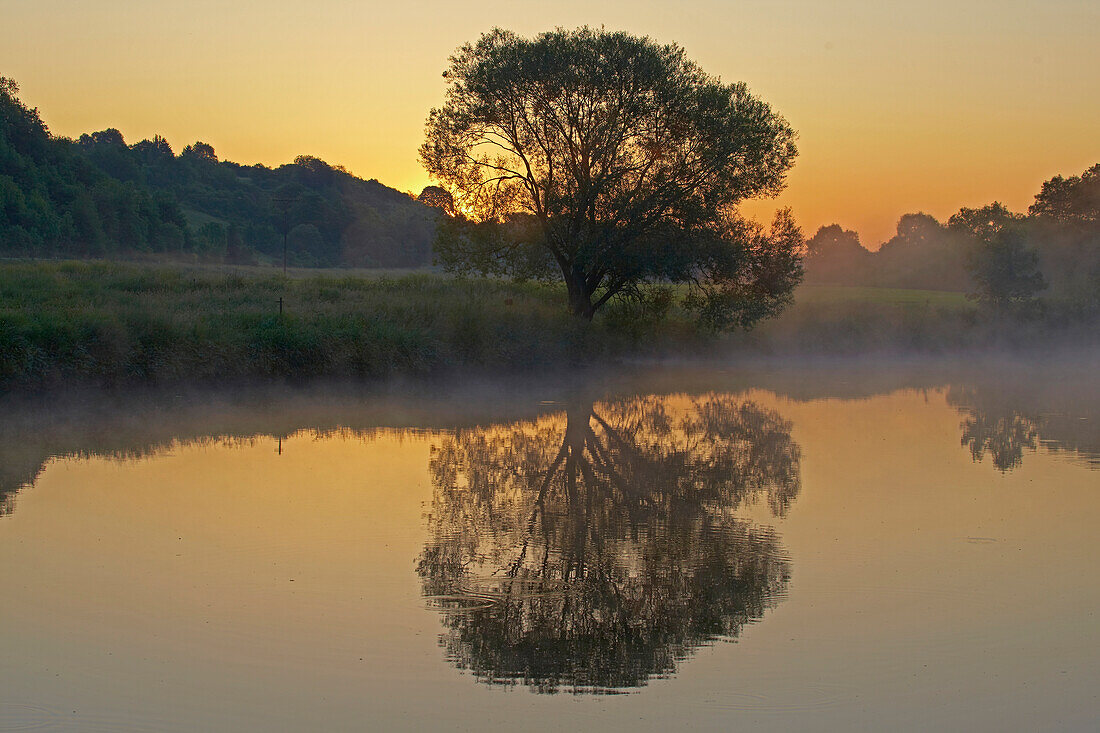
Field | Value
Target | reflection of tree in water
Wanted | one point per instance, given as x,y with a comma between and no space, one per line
16,473
1005,420
594,554
995,428
1009,415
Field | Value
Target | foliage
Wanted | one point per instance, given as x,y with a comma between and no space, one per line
437,198
736,286
101,197
1065,229
1070,200
1005,270
999,256
53,199
834,255
923,254
330,217
983,223
615,163
109,323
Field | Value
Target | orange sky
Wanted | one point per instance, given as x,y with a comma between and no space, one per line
919,107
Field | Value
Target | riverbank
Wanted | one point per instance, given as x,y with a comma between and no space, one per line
116,323
112,324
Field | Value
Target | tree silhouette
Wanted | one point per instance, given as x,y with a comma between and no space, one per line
984,223
437,198
1065,230
1072,200
201,151
592,551
835,255
1005,270
617,164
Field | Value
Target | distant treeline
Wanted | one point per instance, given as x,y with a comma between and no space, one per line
99,197
995,255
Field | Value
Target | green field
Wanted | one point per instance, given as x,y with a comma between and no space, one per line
113,323
294,273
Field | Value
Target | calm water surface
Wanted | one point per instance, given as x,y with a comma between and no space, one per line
904,547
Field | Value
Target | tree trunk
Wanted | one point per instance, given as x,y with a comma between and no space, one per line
580,300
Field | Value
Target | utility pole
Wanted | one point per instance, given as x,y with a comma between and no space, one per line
283,203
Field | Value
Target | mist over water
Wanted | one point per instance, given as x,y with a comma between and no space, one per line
778,545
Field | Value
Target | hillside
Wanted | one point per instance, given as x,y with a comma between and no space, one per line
100,197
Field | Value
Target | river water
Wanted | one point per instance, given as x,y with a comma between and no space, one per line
905,546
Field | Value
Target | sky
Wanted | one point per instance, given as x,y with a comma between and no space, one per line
900,107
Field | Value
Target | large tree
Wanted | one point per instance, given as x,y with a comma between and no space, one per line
613,162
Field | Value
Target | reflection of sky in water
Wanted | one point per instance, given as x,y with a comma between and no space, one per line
170,580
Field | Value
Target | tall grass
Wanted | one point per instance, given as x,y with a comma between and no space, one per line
115,323
847,320
111,323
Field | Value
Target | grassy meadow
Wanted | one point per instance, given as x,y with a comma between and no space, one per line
116,323
112,323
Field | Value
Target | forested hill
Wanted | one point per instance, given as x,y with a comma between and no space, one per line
98,196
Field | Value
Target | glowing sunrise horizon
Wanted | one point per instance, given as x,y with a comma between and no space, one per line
899,109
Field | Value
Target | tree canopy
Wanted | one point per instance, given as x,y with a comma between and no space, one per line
835,254
52,196
1070,200
1003,268
612,162
98,196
